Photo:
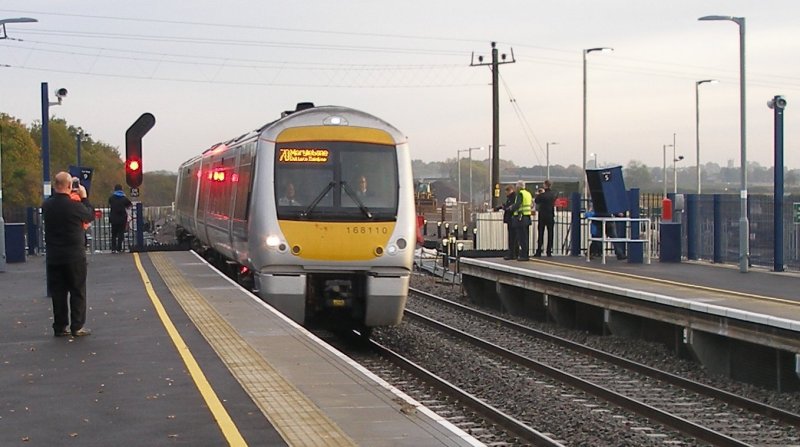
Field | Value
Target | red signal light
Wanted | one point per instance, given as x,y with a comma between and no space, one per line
133,172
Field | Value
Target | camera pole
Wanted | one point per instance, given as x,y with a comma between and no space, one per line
777,104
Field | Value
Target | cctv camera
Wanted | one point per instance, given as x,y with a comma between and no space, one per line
61,93
778,102
680,157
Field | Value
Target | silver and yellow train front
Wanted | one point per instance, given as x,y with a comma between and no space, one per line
338,220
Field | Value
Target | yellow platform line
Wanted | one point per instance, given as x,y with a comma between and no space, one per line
298,420
221,415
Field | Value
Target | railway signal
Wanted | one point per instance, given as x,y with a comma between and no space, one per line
133,149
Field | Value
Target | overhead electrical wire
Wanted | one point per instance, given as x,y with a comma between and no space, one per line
631,66
527,129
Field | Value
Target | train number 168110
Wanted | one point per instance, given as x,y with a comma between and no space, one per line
367,229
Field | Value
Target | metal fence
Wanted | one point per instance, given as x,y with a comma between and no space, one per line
720,233
98,235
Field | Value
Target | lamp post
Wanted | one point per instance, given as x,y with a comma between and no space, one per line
664,168
470,171
469,150
547,158
459,151
697,124
675,173
78,139
583,175
2,222
744,226
3,35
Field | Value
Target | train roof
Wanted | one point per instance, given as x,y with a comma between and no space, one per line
303,108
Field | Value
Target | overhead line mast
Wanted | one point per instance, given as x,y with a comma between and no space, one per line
495,67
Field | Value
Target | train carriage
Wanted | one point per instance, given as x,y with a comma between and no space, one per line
314,210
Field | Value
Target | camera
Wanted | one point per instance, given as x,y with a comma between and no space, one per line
778,102
76,184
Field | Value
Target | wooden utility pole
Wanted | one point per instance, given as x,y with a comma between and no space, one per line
495,66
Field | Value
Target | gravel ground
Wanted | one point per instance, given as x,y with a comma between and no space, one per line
652,354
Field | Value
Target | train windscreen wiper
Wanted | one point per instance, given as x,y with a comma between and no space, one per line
316,201
358,201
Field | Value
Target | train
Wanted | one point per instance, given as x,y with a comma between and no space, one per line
314,212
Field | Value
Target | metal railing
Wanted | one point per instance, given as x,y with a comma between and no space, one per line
98,235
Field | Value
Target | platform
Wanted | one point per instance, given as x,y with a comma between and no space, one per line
744,325
183,356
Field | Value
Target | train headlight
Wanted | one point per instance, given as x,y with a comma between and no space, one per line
335,121
391,249
273,241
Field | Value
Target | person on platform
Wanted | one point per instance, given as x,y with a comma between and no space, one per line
595,247
66,256
511,196
118,217
546,209
522,209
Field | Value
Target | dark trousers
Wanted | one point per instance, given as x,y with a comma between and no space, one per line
513,245
522,233
67,283
545,223
117,236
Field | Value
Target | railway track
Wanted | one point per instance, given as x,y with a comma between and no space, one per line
694,412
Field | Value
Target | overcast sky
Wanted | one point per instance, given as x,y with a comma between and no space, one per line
210,71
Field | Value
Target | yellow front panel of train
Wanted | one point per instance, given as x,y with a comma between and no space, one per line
337,241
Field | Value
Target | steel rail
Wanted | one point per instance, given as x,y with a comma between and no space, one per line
509,423
680,424
697,387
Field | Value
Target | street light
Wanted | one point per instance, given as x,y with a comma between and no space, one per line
675,172
583,175
3,35
664,168
470,171
744,226
3,22
469,150
594,154
548,158
80,137
697,123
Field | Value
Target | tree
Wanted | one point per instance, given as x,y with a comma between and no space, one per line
637,175
21,168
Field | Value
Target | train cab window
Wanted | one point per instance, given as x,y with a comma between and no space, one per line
337,181
369,178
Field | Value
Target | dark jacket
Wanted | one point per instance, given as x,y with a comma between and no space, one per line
545,205
506,207
65,238
119,205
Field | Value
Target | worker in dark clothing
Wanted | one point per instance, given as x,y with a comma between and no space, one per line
511,196
66,255
545,206
118,217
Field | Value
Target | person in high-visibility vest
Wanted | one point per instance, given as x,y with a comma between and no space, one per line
522,210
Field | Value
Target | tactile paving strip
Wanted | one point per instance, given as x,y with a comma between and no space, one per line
297,419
